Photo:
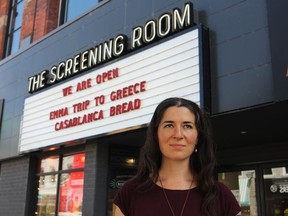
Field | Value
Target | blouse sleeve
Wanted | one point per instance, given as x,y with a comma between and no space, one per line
123,198
229,204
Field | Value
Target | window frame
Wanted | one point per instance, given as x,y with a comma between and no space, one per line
10,32
59,172
63,11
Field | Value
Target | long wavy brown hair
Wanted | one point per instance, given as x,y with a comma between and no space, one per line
202,163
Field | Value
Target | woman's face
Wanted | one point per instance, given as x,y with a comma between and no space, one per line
177,134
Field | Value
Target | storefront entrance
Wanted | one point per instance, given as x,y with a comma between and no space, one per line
123,166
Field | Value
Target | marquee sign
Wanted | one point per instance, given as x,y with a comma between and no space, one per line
167,24
118,96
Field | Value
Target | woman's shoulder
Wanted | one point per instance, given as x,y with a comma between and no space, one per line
228,201
134,186
129,185
125,194
220,185
222,188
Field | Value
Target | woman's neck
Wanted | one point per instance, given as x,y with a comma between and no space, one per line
175,175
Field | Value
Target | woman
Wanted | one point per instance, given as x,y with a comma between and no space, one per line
176,168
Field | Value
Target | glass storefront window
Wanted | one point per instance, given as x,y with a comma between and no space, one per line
14,27
49,164
47,195
71,194
276,191
73,161
242,185
60,177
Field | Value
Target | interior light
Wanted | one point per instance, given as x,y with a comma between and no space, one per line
82,158
130,161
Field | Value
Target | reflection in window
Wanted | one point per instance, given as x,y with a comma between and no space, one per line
14,28
74,8
276,191
71,193
49,164
47,195
73,161
63,175
242,185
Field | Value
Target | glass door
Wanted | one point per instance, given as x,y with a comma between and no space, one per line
276,190
243,186
260,190
122,167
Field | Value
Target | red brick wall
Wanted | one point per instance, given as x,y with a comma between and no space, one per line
4,6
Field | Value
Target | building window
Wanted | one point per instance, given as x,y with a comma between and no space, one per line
243,185
73,8
60,185
14,27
